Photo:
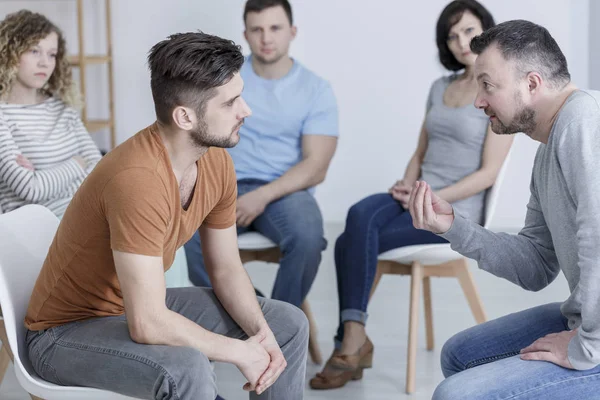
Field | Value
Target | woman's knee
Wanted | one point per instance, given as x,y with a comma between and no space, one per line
362,212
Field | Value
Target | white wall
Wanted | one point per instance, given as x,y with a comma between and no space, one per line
380,59
594,45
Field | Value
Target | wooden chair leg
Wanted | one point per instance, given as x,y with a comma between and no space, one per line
378,275
428,312
468,286
4,361
4,340
35,397
413,325
313,343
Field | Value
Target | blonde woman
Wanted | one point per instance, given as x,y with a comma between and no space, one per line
45,150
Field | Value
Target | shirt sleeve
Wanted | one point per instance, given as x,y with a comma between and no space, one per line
33,186
323,116
222,215
137,209
531,262
87,148
431,95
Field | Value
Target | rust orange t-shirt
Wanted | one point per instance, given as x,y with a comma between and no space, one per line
130,202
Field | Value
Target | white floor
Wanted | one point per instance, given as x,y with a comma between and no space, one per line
387,327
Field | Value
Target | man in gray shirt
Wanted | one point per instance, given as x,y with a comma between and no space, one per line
551,351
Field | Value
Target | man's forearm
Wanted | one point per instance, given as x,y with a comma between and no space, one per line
172,329
301,176
519,258
236,293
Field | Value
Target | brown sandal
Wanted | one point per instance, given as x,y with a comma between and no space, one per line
348,367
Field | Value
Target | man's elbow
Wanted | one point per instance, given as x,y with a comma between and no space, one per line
319,177
143,331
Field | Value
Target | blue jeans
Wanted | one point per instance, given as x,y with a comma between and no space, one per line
374,225
295,224
483,362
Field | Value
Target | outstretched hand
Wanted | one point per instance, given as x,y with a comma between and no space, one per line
429,211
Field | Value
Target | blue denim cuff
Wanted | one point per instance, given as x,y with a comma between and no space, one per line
354,315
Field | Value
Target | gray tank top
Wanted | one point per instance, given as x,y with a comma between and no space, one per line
455,146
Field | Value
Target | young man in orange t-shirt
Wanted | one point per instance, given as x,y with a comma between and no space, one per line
100,315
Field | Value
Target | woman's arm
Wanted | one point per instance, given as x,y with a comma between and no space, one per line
401,189
33,185
495,150
413,169
87,148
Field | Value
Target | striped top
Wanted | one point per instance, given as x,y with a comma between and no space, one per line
49,135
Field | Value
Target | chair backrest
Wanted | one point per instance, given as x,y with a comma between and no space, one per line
25,236
491,198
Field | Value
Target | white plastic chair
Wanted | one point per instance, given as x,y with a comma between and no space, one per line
424,261
256,247
25,236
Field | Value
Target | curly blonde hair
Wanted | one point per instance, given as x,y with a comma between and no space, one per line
19,32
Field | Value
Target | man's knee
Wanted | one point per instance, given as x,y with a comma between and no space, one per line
292,320
309,242
451,351
449,389
188,374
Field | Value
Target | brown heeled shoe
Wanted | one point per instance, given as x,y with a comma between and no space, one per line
347,367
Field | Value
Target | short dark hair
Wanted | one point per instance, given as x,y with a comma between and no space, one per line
185,69
530,45
259,5
450,17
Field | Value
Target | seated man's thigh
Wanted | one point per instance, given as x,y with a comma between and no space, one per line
291,219
516,379
100,353
500,338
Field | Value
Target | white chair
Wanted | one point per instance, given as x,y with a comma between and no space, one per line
256,247
25,236
424,261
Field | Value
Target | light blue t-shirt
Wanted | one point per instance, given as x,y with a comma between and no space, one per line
283,110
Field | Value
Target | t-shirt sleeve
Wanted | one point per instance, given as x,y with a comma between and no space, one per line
137,210
222,215
323,116
432,92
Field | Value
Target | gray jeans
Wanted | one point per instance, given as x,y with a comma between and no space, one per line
99,352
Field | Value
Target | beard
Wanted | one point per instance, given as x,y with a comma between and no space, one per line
202,138
524,120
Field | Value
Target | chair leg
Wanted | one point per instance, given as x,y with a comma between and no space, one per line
413,325
4,361
468,286
428,312
4,340
313,343
378,275
35,397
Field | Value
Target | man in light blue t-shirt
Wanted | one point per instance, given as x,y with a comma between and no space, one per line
285,149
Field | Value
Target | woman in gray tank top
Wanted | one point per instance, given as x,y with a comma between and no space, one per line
457,154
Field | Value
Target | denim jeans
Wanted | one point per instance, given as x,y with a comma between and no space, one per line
374,225
483,362
100,353
295,224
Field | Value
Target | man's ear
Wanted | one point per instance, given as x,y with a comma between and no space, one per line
184,118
